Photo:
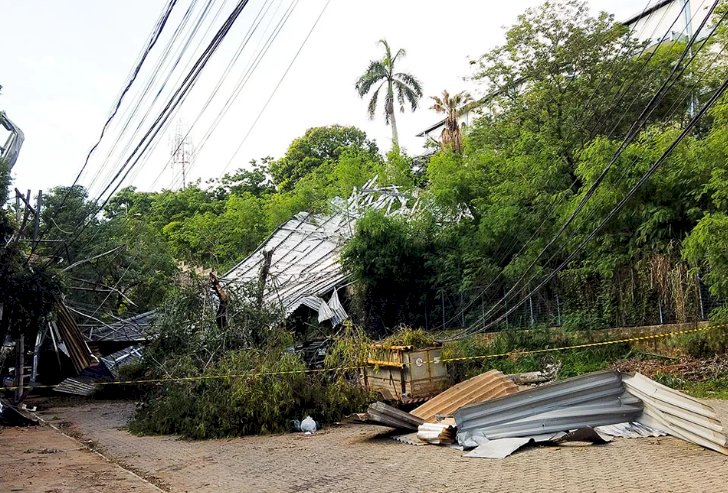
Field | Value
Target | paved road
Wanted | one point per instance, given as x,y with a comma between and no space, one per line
356,458
41,459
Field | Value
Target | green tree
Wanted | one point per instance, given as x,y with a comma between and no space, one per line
403,87
317,146
255,180
28,291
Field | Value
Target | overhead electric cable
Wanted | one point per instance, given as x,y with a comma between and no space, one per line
152,41
631,134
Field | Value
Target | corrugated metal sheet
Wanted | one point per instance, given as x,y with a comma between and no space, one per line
603,411
503,447
305,260
65,326
133,329
409,439
122,358
76,387
387,415
333,310
585,401
677,414
483,387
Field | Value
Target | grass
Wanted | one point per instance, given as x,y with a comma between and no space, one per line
580,361
713,388
573,362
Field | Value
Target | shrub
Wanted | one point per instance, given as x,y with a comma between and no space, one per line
239,379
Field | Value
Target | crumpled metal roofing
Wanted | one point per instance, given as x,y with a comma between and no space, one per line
333,310
437,433
305,261
585,401
132,329
387,415
503,447
483,387
630,430
677,414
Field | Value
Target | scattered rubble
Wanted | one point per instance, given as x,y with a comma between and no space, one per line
686,367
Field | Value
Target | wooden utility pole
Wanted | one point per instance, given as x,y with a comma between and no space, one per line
19,367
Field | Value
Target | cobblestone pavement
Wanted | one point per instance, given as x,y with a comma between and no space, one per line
41,459
358,458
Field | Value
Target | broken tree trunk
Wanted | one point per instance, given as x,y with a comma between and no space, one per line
222,295
263,276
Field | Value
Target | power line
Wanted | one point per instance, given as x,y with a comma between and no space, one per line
152,41
719,92
165,83
176,99
621,94
278,85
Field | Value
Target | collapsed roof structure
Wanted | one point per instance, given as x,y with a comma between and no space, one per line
301,257
302,268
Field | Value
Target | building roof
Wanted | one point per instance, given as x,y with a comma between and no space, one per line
305,261
646,12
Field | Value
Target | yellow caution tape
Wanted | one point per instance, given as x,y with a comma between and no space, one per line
349,368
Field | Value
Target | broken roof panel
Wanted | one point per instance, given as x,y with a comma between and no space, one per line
605,411
483,387
132,329
387,415
677,414
305,260
601,388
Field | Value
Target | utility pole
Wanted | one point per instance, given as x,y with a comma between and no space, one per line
688,21
181,152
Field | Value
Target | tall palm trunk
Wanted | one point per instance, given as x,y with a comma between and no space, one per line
392,118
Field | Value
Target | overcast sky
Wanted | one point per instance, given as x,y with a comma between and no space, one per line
64,64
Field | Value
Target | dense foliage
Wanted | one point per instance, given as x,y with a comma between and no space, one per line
28,290
561,94
243,377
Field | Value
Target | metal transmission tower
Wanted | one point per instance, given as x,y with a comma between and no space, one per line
182,152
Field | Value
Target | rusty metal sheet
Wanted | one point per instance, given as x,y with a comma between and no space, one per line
483,387
677,414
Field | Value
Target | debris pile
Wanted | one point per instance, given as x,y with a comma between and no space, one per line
489,418
685,367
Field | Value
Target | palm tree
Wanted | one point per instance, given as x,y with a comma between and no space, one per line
453,107
405,86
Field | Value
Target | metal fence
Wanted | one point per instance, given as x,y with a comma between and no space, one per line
549,307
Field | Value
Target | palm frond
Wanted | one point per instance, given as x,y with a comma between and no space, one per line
372,106
405,92
411,81
387,49
374,73
400,95
400,53
388,104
